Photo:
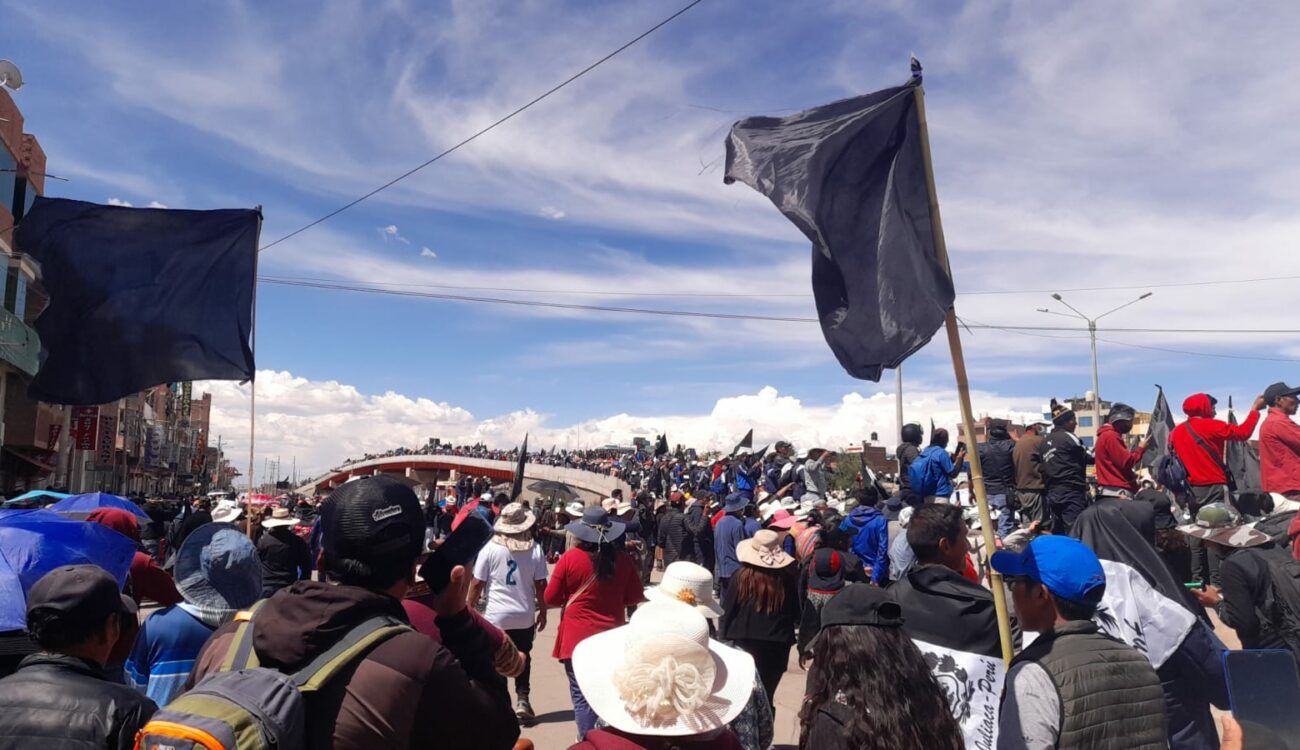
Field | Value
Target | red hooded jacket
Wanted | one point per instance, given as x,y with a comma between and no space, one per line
1203,469
1115,461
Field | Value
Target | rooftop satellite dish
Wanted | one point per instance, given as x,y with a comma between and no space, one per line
10,75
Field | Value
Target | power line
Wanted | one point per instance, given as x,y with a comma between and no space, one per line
769,295
1198,354
725,316
508,117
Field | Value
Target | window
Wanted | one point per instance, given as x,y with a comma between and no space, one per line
8,178
1085,421
1087,442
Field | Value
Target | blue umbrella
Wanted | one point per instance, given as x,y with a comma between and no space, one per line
80,506
34,542
39,495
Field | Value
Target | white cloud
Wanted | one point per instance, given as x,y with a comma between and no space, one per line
119,202
551,212
321,423
391,233
427,253
156,204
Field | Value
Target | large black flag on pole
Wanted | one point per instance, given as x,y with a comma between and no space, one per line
661,446
856,177
851,175
517,484
139,297
1162,424
1241,458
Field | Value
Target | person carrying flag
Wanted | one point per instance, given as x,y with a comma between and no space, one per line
1115,462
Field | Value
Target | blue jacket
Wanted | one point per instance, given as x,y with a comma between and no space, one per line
726,535
939,454
165,651
870,533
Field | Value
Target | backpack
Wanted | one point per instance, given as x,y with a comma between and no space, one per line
1172,474
244,706
924,475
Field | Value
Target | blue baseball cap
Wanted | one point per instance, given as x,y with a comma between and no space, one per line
1065,566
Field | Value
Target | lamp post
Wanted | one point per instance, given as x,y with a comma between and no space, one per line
1092,335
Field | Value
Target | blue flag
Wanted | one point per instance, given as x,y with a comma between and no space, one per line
851,176
139,297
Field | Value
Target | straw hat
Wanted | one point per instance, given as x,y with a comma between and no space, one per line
690,584
668,678
514,518
279,517
763,550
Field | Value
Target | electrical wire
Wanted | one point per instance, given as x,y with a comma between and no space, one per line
365,289
1198,354
501,121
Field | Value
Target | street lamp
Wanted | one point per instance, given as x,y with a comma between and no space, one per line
1092,334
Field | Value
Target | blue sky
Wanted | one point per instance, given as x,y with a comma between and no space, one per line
1086,145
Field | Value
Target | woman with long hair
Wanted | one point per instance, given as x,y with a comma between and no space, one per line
595,585
761,606
870,688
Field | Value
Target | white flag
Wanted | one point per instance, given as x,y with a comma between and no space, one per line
972,683
1136,613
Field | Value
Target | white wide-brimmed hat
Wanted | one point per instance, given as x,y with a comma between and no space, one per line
763,550
662,676
689,584
575,508
226,511
279,517
514,518
609,504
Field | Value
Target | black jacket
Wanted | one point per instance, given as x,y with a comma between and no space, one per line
999,468
285,558
741,621
672,536
1065,461
942,608
55,702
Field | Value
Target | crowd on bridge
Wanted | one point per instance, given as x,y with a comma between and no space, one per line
679,607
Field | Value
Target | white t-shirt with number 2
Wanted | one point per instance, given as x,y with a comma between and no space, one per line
509,578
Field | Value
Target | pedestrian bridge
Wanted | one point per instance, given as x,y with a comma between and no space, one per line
431,470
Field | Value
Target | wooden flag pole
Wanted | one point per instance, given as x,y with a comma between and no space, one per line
963,389
252,389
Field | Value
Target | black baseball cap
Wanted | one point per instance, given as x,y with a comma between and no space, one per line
1277,390
861,604
81,592
373,518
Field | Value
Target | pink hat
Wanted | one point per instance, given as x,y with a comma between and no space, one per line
782,519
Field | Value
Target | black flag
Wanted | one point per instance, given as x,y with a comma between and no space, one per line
746,442
661,447
139,297
517,485
1162,423
1242,459
851,176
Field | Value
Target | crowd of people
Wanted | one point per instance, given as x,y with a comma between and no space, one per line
681,606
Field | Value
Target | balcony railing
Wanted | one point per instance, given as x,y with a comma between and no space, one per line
19,344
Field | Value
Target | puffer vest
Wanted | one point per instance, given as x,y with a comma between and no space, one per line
1110,695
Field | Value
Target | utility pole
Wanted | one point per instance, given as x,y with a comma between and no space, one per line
1092,335
898,402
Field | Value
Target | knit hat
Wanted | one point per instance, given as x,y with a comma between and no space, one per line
1061,413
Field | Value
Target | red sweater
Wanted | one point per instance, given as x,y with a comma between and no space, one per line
1202,469
1279,453
1115,461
